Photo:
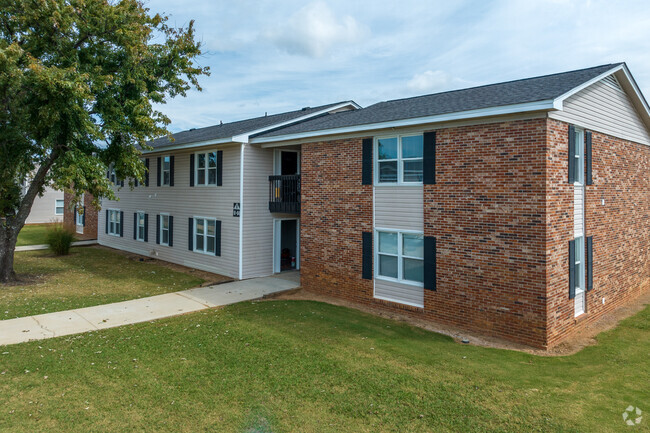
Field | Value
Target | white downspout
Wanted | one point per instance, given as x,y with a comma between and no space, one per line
241,213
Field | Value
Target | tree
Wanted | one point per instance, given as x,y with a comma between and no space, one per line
80,81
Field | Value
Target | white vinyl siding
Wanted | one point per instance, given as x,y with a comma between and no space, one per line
44,207
114,222
400,293
399,207
183,202
578,210
603,108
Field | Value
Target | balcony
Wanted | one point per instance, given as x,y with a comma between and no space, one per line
284,194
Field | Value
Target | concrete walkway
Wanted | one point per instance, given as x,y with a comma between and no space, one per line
44,247
141,310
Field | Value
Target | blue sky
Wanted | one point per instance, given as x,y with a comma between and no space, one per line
274,56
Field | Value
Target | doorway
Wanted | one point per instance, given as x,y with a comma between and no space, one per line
286,241
287,162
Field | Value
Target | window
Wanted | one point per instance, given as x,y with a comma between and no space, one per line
399,159
205,235
164,230
166,171
114,222
579,272
140,227
579,173
111,174
79,216
400,256
58,207
206,168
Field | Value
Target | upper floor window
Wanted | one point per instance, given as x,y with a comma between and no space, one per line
165,175
206,168
111,174
58,207
579,157
399,159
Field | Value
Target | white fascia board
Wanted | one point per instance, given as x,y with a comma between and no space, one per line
189,145
244,138
559,101
546,105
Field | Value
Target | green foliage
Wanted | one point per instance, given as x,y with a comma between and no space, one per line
78,83
60,239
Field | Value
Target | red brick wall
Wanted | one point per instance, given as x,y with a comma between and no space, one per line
336,208
90,230
486,211
620,228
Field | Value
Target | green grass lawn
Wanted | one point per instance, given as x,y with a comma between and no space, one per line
300,366
88,276
34,234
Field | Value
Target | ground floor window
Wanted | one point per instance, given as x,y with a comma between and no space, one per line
579,273
140,227
400,256
79,216
205,235
114,222
58,207
164,229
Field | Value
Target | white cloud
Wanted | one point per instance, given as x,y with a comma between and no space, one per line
315,31
429,81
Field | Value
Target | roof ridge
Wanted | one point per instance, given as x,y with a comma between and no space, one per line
497,84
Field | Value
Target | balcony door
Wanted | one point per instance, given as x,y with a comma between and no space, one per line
287,162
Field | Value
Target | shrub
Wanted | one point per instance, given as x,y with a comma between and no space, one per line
60,239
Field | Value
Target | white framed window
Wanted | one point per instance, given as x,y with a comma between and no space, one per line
579,157
205,235
579,273
398,160
140,226
164,229
58,207
114,222
206,168
79,217
166,170
399,256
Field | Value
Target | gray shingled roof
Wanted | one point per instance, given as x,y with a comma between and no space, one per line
228,130
494,95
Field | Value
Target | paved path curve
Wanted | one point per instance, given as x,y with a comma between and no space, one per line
69,322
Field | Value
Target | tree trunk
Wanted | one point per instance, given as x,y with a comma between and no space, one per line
7,247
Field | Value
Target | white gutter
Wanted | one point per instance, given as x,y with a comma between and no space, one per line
546,105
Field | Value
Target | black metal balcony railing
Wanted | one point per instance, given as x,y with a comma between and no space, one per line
284,194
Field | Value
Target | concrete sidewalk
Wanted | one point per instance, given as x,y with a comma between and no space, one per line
141,310
44,247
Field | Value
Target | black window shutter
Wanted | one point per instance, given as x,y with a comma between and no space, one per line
121,224
219,168
572,153
589,179
429,158
83,216
171,231
366,162
146,227
135,225
572,269
122,182
366,259
590,263
192,169
106,221
158,229
190,237
217,240
430,254
146,173
159,173
171,170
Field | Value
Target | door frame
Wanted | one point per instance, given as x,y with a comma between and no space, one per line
277,160
277,242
